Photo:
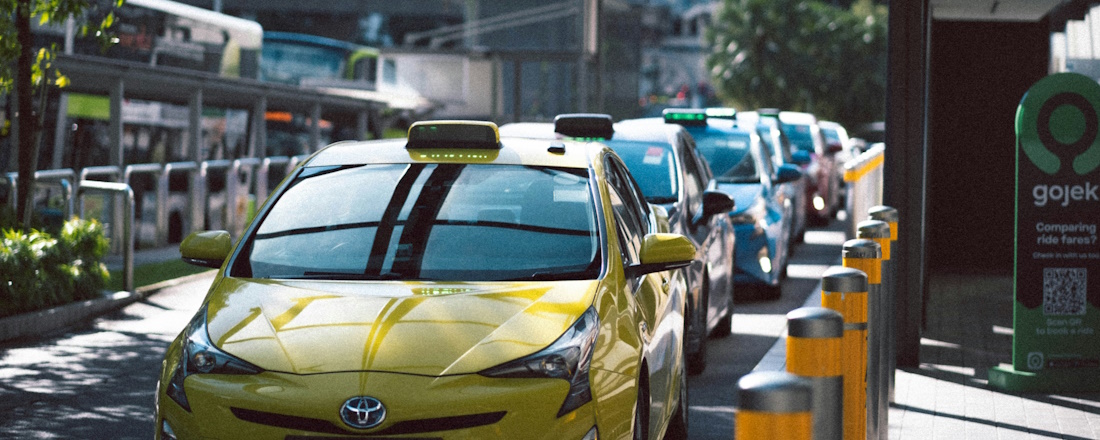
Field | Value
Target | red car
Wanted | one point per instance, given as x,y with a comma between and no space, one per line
818,161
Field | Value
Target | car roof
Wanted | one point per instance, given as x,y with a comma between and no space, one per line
513,150
646,130
789,117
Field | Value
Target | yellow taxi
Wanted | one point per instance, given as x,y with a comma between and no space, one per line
451,285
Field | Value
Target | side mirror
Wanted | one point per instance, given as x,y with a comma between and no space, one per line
662,252
801,158
206,248
716,202
833,148
788,173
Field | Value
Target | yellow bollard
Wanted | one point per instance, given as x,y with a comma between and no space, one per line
814,336
773,405
844,289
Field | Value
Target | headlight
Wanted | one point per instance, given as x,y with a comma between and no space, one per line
567,358
752,215
200,356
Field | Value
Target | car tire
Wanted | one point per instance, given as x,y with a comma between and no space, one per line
725,325
641,412
697,360
678,426
771,293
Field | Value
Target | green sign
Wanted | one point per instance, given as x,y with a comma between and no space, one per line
1056,336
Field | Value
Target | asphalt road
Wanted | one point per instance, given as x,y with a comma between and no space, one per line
97,381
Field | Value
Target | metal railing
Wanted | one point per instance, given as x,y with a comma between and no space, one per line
193,205
863,176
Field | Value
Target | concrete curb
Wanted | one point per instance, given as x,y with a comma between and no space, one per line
46,321
776,357
49,320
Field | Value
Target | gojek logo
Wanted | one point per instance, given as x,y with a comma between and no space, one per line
1058,129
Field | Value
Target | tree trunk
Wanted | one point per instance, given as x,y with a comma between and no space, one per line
28,149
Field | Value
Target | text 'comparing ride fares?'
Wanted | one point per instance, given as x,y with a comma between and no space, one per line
1075,235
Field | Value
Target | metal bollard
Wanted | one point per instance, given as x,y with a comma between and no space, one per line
889,281
773,405
814,336
844,289
877,385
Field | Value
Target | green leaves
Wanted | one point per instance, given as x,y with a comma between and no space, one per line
49,13
802,55
41,271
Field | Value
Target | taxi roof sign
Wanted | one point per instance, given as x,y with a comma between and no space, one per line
768,112
721,112
584,125
454,135
685,117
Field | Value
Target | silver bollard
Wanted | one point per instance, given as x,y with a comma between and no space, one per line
889,280
877,384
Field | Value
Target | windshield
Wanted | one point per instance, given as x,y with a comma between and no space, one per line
289,63
653,167
456,222
728,155
800,137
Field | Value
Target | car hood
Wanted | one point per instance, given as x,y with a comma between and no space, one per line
744,195
424,328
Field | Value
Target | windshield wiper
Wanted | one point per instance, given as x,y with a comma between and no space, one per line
319,275
546,276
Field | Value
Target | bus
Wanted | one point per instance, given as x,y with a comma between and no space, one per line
155,33
169,33
311,60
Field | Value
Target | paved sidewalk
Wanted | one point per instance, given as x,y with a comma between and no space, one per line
948,397
969,330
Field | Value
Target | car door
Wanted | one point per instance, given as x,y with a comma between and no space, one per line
662,322
707,233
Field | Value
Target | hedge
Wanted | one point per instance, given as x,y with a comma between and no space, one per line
40,270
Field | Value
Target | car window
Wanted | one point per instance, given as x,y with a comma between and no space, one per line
633,209
801,137
694,182
729,156
653,167
428,222
630,212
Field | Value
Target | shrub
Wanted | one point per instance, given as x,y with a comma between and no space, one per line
41,271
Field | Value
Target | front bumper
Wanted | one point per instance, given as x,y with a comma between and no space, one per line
754,257
283,406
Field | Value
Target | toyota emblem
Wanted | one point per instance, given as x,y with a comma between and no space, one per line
363,412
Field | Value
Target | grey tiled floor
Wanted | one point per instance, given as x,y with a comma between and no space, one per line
948,397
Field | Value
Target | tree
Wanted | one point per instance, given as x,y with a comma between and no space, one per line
801,55
33,73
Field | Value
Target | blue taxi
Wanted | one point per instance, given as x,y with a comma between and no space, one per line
764,214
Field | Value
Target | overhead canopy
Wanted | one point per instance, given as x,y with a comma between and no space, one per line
96,75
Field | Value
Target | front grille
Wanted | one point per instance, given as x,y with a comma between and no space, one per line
400,428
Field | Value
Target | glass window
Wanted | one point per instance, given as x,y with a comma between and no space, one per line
428,222
289,63
694,185
653,166
729,156
801,137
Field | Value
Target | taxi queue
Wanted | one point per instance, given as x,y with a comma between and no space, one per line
455,284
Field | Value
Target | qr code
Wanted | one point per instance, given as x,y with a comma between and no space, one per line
1064,291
